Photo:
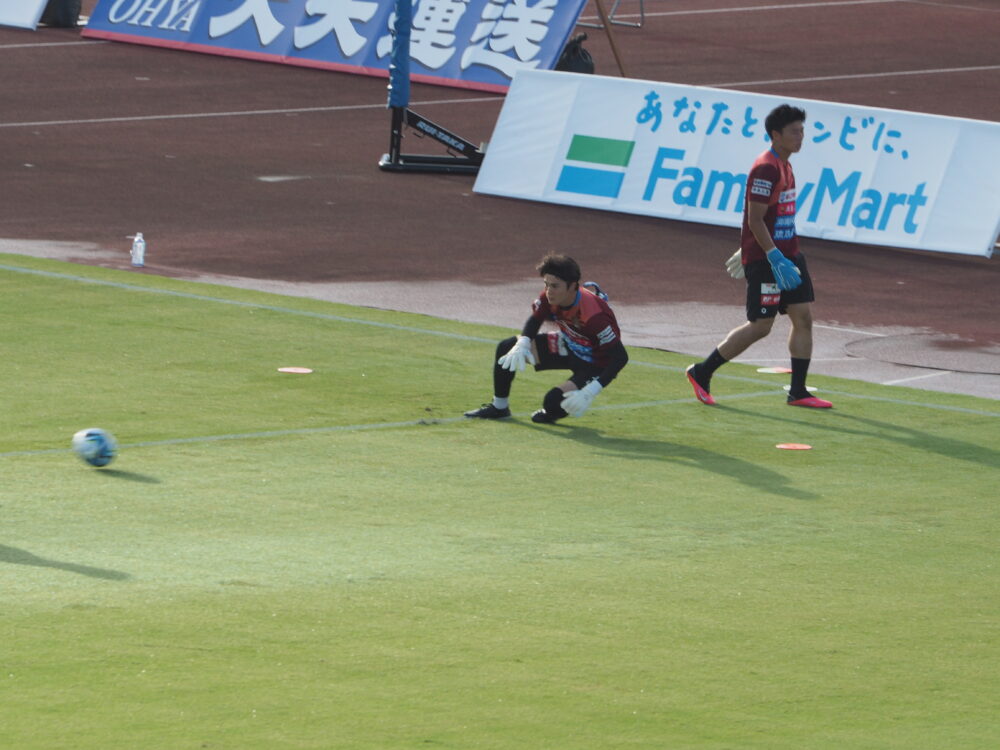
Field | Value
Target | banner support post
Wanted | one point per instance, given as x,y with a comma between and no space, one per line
606,22
469,159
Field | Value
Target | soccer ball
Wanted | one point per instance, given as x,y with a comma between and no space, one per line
95,446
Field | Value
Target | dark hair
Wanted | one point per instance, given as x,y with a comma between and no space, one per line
781,116
561,266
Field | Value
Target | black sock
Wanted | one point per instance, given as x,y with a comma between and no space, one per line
552,403
799,369
502,379
707,368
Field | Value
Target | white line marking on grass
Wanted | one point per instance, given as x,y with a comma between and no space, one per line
761,360
238,303
902,402
880,399
919,377
283,177
849,330
245,113
303,431
253,435
413,329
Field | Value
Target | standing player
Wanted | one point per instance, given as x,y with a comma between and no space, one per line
776,273
588,343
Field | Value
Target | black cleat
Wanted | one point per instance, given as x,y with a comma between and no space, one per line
488,411
542,417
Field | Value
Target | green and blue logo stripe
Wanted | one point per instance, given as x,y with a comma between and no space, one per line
592,180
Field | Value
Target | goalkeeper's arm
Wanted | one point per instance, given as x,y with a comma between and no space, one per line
619,358
531,327
576,402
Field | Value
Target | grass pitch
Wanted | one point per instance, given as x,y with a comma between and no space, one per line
339,560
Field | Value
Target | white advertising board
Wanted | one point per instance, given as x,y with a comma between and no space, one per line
864,174
21,13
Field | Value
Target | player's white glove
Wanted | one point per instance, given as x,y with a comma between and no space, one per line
519,354
575,403
735,264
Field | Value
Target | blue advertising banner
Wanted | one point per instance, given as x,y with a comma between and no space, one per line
475,44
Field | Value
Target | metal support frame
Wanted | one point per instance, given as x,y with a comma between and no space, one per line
465,157
611,17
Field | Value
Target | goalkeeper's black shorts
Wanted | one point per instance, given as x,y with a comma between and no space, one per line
764,299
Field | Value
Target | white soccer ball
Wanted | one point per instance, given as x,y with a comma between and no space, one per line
95,446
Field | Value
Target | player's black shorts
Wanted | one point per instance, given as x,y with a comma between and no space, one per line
553,355
764,299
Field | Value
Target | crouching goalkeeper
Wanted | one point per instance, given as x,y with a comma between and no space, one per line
588,343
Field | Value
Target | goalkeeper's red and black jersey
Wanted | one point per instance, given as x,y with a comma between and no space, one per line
771,181
588,327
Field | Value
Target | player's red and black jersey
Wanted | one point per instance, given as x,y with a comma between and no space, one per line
771,181
588,327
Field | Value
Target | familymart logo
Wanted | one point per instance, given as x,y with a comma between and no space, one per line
599,166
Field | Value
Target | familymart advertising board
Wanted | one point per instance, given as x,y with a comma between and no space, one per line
23,14
866,175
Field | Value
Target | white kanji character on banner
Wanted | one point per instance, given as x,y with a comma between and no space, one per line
518,29
267,25
432,32
337,17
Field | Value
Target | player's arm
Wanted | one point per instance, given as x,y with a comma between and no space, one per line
755,220
618,359
531,327
576,402
785,272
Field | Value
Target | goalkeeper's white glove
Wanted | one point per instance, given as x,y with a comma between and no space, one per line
735,264
519,354
575,403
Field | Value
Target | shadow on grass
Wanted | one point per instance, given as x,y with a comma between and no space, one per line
16,556
852,424
131,476
737,469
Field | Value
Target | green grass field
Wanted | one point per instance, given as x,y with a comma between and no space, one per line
339,560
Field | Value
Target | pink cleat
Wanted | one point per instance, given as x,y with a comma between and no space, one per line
810,401
700,393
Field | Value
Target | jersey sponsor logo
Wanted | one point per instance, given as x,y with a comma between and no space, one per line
556,344
761,187
770,294
787,196
606,336
784,228
581,350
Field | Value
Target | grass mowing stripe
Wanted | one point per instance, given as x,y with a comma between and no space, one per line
362,427
415,329
240,303
879,399
643,572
